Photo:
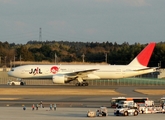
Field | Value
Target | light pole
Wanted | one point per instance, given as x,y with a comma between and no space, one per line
105,57
14,60
5,61
55,58
20,58
83,56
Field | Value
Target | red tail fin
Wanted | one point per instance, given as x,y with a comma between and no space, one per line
144,56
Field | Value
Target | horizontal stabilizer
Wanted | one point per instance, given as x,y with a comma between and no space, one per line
155,68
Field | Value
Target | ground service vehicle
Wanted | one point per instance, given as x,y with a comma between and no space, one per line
102,111
16,83
125,110
115,100
162,101
91,114
125,104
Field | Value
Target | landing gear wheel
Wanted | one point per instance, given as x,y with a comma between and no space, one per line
22,83
78,84
12,83
125,113
81,84
86,84
135,113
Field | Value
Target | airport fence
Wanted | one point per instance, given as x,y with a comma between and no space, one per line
128,82
120,82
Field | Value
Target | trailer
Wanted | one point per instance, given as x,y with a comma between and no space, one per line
149,107
101,112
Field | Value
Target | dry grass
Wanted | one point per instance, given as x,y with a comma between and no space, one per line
10,98
55,91
151,92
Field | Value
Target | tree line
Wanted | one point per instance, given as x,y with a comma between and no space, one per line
64,51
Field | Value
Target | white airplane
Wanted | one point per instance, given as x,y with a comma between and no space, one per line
66,73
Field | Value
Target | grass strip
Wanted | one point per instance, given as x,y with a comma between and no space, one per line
56,91
151,91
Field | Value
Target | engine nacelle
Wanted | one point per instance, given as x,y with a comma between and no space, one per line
59,79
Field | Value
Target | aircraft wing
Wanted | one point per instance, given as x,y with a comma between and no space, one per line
81,74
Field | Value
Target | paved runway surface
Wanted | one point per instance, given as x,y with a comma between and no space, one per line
17,113
69,107
74,100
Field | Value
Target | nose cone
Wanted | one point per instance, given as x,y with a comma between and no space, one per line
10,74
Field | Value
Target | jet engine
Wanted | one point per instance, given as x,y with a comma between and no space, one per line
62,79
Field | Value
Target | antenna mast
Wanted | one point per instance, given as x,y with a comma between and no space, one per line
40,34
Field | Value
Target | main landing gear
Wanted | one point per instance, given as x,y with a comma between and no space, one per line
81,84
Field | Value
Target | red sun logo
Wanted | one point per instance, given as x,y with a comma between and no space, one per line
54,69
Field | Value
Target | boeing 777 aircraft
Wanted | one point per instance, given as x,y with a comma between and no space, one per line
66,73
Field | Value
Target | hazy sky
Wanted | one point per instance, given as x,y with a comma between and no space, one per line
118,21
